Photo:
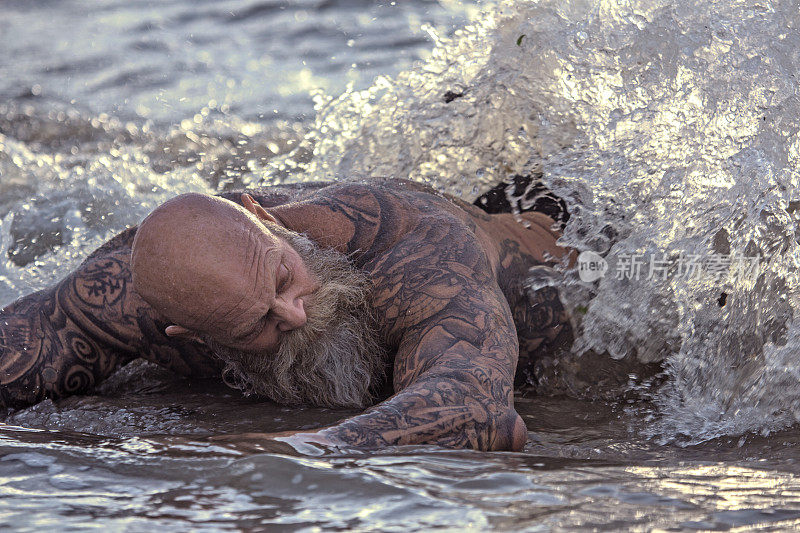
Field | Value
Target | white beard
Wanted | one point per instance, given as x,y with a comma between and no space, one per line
335,359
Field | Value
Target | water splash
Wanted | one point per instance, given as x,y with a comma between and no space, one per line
57,208
671,130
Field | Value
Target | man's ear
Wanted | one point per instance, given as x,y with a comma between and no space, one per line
255,208
180,331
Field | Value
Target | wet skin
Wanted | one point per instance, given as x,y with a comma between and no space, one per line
229,276
447,282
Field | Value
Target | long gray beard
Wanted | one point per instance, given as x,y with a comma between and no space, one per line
335,359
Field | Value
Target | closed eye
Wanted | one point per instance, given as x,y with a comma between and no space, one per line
284,278
250,333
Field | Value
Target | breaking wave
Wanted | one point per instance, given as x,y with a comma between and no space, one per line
672,133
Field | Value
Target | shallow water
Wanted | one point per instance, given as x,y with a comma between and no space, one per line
667,128
141,457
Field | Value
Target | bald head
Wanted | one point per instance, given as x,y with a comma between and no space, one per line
196,253
237,280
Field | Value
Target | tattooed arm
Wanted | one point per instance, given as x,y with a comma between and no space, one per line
457,353
440,310
65,339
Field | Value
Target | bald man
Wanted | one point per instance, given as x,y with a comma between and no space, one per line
383,295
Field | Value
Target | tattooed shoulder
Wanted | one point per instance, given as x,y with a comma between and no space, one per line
541,320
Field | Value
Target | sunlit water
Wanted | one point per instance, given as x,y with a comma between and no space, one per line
671,130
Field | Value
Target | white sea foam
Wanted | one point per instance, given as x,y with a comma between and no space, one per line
70,206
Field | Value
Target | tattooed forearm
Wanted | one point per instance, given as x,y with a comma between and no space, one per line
456,348
447,408
43,353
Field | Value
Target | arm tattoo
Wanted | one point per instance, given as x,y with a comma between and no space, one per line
441,307
66,339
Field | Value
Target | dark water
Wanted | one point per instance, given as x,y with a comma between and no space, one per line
141,457
109,108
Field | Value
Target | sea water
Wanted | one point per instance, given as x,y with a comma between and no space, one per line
670,129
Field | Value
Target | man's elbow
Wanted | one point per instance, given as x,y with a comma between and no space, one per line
510,433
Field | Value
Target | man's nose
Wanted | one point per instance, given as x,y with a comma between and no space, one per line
294,315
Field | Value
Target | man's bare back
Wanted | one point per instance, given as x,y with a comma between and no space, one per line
446,293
